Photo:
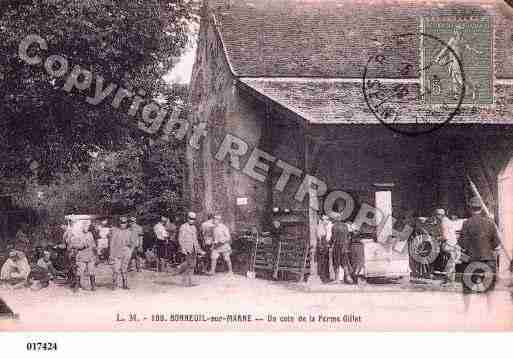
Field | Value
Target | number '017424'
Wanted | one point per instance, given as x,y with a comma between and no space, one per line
41,346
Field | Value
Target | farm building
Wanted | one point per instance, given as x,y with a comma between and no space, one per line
286,77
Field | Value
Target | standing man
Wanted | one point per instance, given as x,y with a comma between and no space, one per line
104,232
342,249
479,242
324,231
137,241
162,236
221,245
70,253
82,243
188,240
448,242
172,243
120,252
207,238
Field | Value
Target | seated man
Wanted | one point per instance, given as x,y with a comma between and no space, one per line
150,258
16,269
43,272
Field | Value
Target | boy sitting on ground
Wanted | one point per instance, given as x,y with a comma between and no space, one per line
42,273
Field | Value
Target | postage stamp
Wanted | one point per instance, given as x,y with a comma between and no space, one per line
443,76
404,105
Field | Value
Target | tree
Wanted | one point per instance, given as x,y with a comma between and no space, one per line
146,176
51,132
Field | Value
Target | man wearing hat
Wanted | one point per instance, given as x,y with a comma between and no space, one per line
207,238
84,247
162,236
479,242
188,240
120,252
137,242
221,245
16,268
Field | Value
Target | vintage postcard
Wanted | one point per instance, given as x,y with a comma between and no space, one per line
256,165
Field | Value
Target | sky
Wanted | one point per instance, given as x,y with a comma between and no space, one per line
181,73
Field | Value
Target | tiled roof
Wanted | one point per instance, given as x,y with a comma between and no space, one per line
332,101
335,38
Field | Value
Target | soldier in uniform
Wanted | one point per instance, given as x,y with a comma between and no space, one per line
188,240
137,241
120,252
221,245
84,247
479,242
207,238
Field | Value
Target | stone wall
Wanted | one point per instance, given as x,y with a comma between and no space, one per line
215,186
211,96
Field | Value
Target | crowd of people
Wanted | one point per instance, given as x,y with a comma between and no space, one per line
454,243
337,247
176,249
185,248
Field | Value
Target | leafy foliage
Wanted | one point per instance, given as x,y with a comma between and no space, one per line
75,157
72,192
130,43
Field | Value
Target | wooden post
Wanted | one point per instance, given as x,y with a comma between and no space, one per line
267,144
311,213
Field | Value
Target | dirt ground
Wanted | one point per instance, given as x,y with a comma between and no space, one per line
158,302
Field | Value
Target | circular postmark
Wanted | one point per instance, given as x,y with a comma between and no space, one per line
419,104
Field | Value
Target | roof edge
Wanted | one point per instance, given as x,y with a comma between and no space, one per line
225,51
259,95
